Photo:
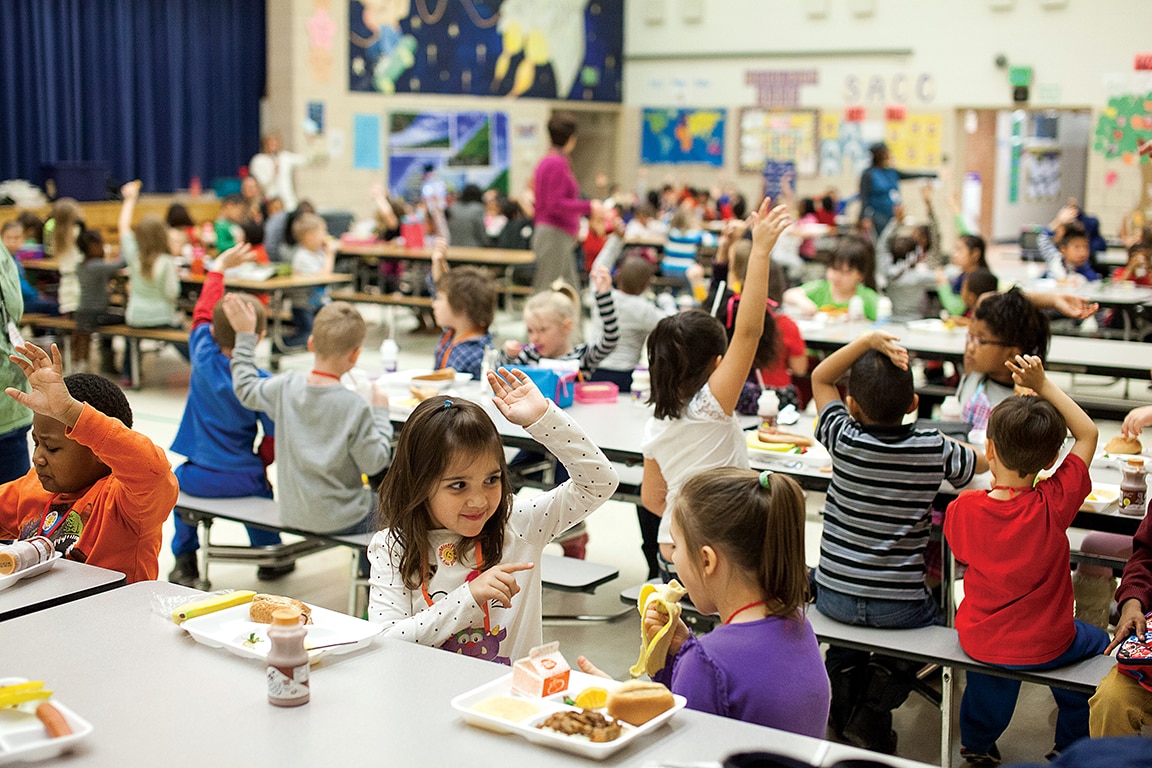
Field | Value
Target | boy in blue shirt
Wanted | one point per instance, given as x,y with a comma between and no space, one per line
216,433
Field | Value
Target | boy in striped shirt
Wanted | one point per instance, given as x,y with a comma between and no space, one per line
885,475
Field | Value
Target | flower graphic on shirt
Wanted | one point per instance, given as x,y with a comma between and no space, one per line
447,554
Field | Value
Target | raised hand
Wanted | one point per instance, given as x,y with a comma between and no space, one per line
1027,371
767,224
513,348
517,396
241,315
889,345
233,257
601,279
49,395
497,583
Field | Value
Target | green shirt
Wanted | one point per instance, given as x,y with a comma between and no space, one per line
820,292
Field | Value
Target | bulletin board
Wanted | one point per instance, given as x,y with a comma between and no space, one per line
915,142
781,136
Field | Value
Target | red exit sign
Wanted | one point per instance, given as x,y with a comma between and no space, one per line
854,114
1144,61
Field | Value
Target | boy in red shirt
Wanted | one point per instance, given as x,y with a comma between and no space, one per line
1017,608
99,490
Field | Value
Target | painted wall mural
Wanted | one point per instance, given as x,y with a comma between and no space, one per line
558,49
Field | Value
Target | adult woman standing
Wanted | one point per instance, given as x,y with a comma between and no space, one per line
558,208
880,191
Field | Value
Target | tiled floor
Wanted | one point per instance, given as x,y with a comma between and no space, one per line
323,579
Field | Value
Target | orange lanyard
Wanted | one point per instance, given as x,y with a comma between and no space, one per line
472,575
443,361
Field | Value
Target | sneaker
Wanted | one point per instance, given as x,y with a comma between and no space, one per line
273,572
987,759
187,571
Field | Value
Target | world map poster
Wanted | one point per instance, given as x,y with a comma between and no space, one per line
676,136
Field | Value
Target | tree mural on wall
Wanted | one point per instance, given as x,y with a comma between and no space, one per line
1124,125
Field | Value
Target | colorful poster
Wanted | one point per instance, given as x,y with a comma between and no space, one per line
788,136
682,136
560,49
366,142
461,147
915,141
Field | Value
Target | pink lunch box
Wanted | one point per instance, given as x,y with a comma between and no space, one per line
596,392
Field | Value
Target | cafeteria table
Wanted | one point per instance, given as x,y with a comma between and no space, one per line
155,696
65,581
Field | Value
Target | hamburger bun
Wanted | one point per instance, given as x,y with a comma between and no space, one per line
1121,444
422,393
444,374
780,436
638,701
262,606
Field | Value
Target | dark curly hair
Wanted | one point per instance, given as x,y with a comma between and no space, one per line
1016,321
101,393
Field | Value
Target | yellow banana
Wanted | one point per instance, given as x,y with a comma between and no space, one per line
654,650
212,604
18,693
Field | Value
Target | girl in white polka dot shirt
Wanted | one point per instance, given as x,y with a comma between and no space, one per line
457,563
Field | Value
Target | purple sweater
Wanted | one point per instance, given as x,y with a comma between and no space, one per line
558,202
767,672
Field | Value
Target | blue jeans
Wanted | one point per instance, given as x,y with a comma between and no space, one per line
211,484
874,612
989,701
15,458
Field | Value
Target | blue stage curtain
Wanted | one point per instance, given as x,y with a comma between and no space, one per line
156,90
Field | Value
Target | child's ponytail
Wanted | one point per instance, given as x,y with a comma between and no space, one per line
757,520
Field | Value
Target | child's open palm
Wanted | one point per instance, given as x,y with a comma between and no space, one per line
601,279
1027,372
517,396
49,395
767,224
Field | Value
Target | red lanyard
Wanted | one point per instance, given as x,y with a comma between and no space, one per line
741,610
443,361
1013,489
472,575
325,374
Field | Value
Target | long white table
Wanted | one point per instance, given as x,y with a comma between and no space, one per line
63,582
156,697
1069,354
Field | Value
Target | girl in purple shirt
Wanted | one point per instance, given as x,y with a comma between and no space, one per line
738,538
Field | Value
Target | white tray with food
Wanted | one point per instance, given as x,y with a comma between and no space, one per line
1118,450
27,573
497,708
1103,497
425,377
24,737
235,630
787,447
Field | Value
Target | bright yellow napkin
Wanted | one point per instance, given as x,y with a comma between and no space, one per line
654,651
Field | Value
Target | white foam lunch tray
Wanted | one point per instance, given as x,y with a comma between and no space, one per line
232,627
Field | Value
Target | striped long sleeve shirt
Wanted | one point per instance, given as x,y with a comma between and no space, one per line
877,510
589,355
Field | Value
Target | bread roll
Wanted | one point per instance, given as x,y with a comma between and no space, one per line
422,393
1121,444
444,374
780,436
638,701
263,605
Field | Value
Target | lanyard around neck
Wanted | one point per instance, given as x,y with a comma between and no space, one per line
472,575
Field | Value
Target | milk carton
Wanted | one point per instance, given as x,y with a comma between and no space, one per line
543,672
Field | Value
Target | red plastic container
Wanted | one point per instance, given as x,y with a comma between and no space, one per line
596,392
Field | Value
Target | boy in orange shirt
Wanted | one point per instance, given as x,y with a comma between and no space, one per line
99,490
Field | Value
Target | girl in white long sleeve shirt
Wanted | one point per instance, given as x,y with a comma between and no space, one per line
457,566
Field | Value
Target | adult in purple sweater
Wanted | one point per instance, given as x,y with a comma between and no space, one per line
558,208
738,538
